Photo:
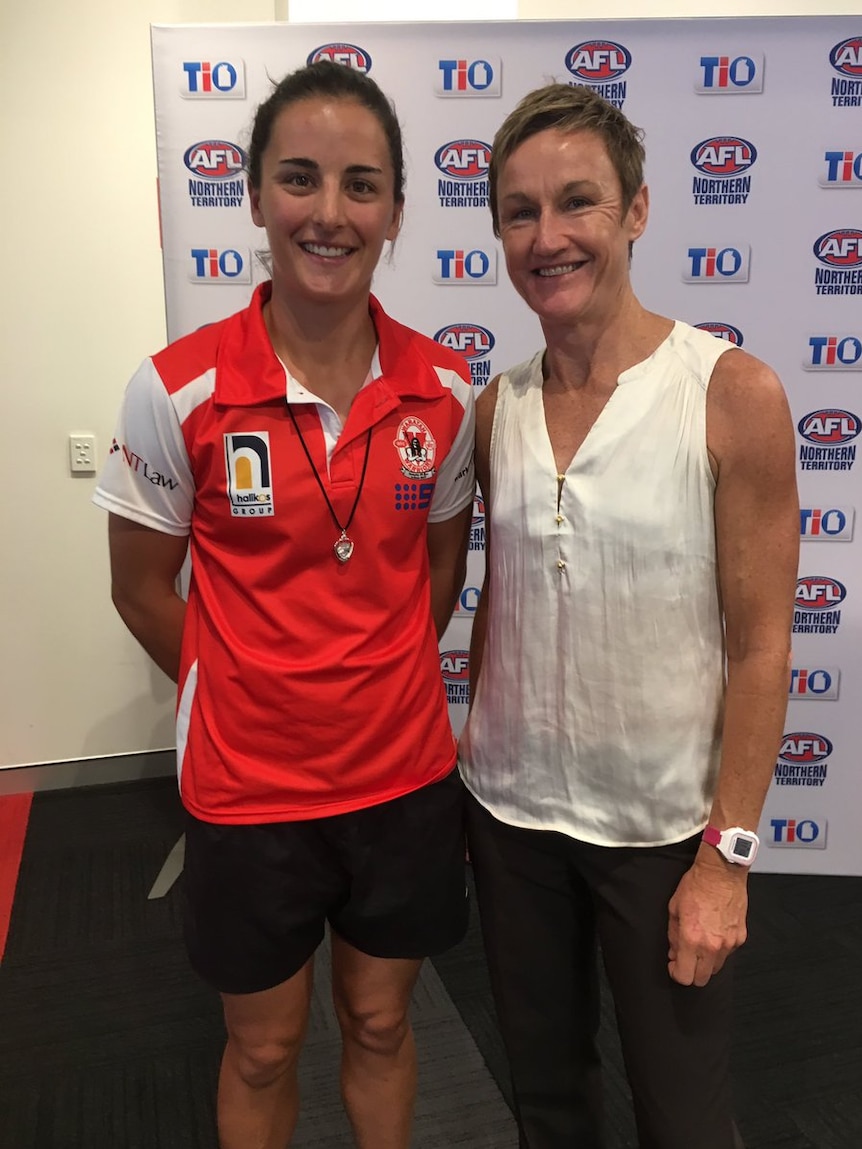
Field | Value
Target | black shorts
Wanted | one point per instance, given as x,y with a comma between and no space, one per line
389,879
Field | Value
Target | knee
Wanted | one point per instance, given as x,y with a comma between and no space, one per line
261,1063
381,1032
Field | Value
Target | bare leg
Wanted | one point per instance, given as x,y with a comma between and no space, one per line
258,1098
378,1066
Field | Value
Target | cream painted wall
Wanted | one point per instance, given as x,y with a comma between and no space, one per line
320,10
632,9
83,305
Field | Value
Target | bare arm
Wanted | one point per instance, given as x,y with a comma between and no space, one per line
486,404
447,557
751,444
144,569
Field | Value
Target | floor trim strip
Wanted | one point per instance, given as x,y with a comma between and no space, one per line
14,816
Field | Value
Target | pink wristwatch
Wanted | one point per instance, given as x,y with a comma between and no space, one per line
737,845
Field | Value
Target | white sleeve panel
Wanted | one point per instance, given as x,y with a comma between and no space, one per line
147,476
456,479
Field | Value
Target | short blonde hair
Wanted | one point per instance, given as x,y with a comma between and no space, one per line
570,109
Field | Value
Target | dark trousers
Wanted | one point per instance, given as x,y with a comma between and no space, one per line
544,900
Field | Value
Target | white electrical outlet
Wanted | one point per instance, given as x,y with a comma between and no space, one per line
82,454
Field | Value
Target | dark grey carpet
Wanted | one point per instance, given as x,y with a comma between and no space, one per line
107,1041
797,1018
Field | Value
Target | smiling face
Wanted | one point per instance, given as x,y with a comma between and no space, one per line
326,199
565,235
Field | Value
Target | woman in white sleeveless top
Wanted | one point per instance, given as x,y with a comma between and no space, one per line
642,529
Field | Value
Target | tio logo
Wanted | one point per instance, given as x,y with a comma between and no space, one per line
469,77
820,684
797,832
224,80
212,265
717,264
843,170
457,266
832,525
468,600
834,352
730,75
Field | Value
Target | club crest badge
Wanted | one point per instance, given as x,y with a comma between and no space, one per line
417,449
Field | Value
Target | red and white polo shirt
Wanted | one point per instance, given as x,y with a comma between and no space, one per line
307,687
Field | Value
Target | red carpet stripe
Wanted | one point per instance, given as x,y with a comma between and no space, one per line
14,815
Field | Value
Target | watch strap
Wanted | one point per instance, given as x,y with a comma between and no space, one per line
712,836
727,843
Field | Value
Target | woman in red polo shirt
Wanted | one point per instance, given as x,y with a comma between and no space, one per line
315,460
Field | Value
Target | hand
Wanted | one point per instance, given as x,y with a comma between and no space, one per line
706,919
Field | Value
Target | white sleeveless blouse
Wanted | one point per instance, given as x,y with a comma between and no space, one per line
599,707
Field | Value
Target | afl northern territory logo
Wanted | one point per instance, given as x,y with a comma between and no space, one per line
417,449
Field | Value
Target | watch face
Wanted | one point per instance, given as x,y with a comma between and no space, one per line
741,847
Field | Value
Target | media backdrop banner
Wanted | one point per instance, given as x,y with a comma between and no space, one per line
754,162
